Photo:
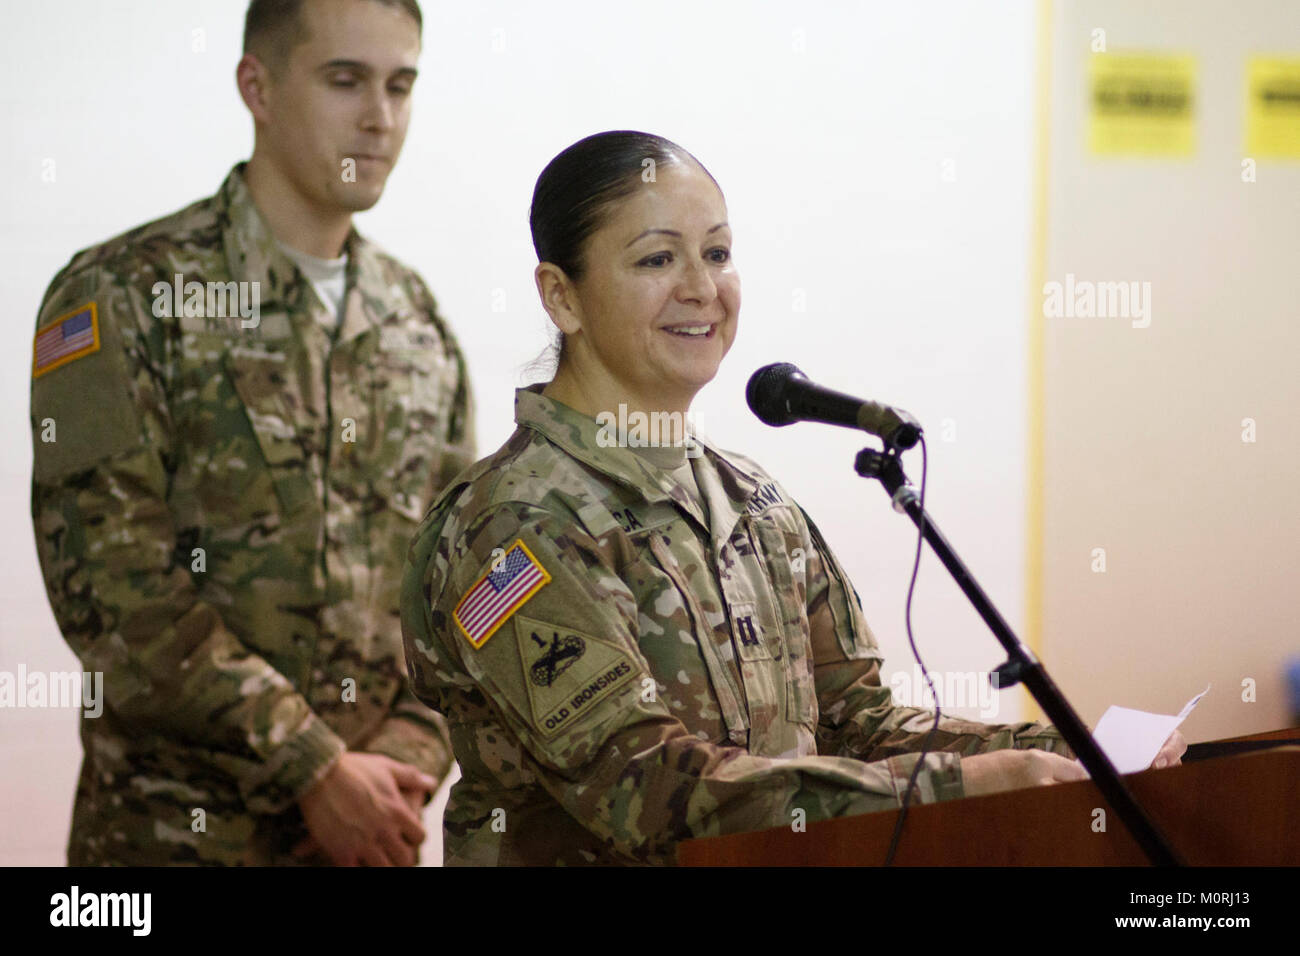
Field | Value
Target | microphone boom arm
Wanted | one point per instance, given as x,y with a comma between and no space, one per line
1022,665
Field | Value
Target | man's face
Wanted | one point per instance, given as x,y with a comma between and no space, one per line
339,108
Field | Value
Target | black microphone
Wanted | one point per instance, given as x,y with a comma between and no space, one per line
780,394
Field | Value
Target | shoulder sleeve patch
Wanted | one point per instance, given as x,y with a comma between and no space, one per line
66,339
513,577
566,672
81,406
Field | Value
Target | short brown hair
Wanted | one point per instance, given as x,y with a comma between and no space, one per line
272,28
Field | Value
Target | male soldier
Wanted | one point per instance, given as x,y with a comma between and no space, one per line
240,413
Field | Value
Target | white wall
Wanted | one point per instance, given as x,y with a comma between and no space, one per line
1143,427
876,160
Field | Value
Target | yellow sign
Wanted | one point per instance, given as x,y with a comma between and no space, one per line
1142,104
1273,108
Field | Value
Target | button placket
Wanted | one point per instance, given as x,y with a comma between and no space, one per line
728,694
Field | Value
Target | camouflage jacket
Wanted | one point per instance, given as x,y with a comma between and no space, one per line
621,671
222,506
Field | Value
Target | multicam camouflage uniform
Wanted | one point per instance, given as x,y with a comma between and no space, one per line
642,671
221,521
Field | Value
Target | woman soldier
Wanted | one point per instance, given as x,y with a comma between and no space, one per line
634,646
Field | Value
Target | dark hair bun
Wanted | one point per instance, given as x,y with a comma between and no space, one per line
579,185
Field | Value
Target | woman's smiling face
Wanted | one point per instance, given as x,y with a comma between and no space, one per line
657,304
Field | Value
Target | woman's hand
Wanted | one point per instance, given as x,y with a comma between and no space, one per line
1171,754
1001,770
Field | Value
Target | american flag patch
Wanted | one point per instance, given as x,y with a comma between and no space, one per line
512,580
65,340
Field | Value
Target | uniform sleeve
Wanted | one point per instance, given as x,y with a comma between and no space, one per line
414,734
565,673
461,443
118,580
462,448
858,717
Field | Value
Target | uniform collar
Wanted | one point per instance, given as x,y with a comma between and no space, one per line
727,487
252,255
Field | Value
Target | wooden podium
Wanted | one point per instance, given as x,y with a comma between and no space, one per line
1241,810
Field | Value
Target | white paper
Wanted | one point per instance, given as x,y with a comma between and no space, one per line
1132,738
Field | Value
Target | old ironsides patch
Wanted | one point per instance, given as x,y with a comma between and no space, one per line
568,673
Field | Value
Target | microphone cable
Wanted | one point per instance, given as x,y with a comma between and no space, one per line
911,640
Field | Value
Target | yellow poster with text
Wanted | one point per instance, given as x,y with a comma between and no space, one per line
1142,104
1273,108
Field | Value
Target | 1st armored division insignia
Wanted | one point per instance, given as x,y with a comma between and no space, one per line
568,673
559,656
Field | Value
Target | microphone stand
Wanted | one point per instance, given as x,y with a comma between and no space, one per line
1021,665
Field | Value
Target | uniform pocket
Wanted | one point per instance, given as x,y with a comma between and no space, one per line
778,551
723,675
288,432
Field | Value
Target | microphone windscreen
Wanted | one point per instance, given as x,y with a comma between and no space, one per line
765,393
